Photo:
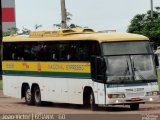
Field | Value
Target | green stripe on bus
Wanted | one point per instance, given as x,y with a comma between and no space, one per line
47,74
126,85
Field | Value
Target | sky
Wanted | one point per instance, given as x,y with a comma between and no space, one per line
95,14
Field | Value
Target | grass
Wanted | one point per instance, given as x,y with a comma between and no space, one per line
0,84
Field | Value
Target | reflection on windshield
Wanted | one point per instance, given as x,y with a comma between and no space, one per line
143,67
118,68
129,68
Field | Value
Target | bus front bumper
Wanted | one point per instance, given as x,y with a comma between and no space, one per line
128,101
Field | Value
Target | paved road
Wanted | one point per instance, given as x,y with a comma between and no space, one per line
11,105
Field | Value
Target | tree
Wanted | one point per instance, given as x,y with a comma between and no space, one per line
69,18
37,26
145,25
25,31
11,31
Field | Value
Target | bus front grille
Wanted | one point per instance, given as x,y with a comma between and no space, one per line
138,94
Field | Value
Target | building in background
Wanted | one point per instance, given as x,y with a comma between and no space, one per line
8,15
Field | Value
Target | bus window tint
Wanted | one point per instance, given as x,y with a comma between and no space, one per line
51,51
13,52
79,50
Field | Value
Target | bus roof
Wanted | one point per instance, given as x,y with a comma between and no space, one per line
74,34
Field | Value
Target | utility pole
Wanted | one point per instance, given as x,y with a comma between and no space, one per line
63,13
151,8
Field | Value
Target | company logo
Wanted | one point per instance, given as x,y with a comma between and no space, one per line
39,67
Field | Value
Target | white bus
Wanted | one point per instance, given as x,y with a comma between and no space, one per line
80,66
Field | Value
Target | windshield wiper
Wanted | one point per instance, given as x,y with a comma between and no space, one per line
127,69
137,71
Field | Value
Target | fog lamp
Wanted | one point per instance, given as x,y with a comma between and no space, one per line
117,101
150,99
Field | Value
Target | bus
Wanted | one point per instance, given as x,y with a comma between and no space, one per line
80,66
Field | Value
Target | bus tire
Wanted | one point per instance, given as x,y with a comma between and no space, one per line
92,102
28,96
134,106
37,96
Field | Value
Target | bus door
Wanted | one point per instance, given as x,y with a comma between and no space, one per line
98,69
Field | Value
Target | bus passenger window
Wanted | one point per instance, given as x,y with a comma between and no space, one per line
51,52
64,52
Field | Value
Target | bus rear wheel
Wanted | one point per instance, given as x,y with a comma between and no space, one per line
92,102
37,96
28,96
134,106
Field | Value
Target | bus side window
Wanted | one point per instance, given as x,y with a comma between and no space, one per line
7,51
27,51
51,51
64,52
13,51
87,49
19,52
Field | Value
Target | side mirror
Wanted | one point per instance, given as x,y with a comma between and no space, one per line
98,68
156,60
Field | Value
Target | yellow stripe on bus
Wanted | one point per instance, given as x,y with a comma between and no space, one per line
77,67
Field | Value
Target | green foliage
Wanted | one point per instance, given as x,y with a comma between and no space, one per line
37,26
6,34
68,19
10,32
145,25
25,31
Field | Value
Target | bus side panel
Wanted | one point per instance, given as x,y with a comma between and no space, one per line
60,90
48,91
101,93
55,90
64,90
76,87
11,87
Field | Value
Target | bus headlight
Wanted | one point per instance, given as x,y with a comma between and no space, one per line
116,95
153,93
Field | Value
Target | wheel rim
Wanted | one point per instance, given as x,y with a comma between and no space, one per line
91,99
28,95
37,96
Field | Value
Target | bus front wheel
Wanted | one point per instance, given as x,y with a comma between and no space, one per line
134,106
37,96
28,96
92,102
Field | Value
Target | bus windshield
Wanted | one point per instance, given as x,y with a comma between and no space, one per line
121,48
129,62
143,67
